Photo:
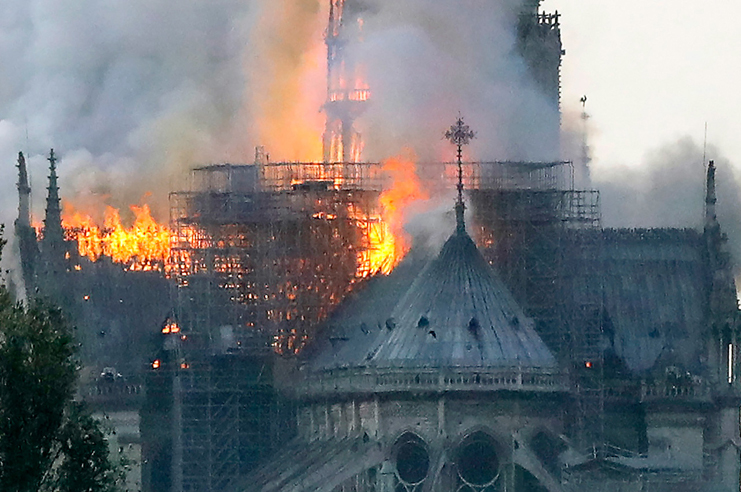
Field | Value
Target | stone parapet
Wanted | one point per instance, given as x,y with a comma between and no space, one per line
375,380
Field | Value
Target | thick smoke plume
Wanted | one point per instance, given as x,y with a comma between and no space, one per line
131,94
122,90
426,61
668,190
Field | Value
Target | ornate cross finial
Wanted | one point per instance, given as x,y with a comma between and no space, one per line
52,159
460,134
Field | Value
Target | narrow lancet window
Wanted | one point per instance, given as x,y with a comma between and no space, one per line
730,363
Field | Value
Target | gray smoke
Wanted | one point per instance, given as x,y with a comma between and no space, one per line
668,190
575,146
125,91
432,224
131,94
426,61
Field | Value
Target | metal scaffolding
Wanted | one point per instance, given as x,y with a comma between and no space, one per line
283,243
545,242
263,252
229,419
210,417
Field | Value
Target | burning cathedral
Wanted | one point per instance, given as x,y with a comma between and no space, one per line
280,335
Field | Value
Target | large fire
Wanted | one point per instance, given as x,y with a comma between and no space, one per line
142,247
146,245
287,70
388,242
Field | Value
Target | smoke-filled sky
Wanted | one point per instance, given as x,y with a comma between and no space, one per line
653,72
426,61
132,93
120,89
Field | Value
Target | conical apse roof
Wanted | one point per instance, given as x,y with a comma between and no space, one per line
457,313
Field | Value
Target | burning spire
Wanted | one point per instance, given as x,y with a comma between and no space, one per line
347,91
460,134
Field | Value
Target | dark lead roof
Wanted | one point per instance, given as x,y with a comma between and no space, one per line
456,313
655,297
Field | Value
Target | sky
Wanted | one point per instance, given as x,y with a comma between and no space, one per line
653,71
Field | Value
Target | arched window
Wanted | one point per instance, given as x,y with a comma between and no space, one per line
412,462
477,462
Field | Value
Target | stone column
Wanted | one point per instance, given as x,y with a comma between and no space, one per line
729,465
387,477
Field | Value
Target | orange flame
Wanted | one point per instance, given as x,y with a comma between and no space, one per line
388,243
143,246
171,327
287,69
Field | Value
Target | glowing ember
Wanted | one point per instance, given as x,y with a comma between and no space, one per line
171,327
143,246
350,95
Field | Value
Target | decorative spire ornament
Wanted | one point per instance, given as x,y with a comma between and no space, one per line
53,232
459,135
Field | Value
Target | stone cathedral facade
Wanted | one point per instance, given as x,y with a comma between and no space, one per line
442,383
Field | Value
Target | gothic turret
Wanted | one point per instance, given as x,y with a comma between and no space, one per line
53,244
710,199
723,338
25,234
722,302
721,291
24,193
